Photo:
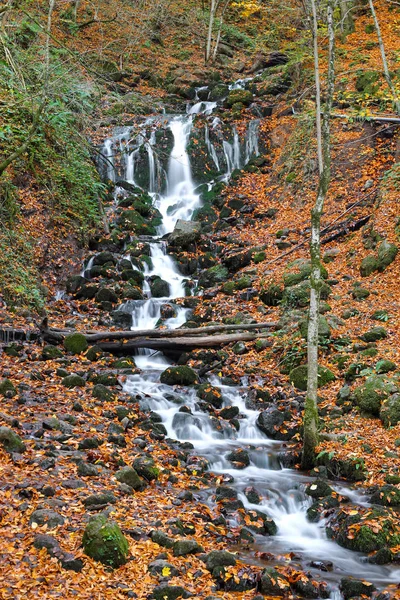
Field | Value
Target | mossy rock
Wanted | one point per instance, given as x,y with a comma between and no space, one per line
374,334
273,584
369,265
355,531
298,377
106,295
298,296
385,366
272,295
360,293
160,288
104,541
244,97
213,276
72,381
259,257
324,330
169,592
75,343
178,376
319,489
390,410
7,388
355,588
101,392
367,82
211,394
370,395
94,353
129,476
300,270
387,253
229,288
146,468
11,441
187,546
387,495
51,353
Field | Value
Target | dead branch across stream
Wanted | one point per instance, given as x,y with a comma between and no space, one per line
175,340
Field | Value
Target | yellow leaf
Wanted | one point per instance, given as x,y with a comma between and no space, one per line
166,572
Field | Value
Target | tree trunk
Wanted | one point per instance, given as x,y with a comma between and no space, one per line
213,8
310,420
388,78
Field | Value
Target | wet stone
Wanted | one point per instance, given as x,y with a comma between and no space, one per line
187,546
163,568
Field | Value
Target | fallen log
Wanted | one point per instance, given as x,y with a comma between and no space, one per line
49,334
176,345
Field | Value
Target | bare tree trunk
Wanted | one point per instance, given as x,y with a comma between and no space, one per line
221,22
213,9
310,420
317,84
388,78
346,16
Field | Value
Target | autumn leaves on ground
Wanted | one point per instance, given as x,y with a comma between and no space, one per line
84,446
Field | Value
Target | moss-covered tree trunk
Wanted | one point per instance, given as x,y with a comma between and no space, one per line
310,419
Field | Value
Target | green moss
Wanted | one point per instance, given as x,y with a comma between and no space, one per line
11,441
369,264
72,381
213,276
103,541
244,97
298,377
75,343
384,366
272,295
51,352
367,82
259,257
374,334
371,393
178,376
324,330
387,253
390,411
7,387
101,392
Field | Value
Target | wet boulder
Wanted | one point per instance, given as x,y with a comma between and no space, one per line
272,583
185,233
178,376
104,258
168,311
211,394
239,458
270,420
241,96
319,489
354,588
159,288
104,541
252,495
260,523
106,295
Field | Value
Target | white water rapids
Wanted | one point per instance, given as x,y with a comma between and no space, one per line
282,490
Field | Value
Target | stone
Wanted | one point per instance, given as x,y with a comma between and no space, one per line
185,233
324,329
186,546
353,588
319,489
178,376
104,541
272,583
161,538
51,353
239,458
220,558
385,366
370,394
269,420
369,265
213,276
11,441
130,477
387,253
7,388
387,495
75,343
159,288
298,377
374,334
99,500
101,392
146,467
106,295
161,567
47,517
72,381
239,96
86,469
169,592
390,410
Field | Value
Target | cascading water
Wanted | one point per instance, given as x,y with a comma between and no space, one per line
281,490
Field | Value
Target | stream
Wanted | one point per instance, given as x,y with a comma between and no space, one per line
175,194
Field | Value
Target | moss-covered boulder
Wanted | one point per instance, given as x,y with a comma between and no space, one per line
387,253
220,558
187,546
11,441
213,276
271,295
356,588
104,541
390,410
370,395
178,376
51,353
375,334
364,530
211,394
75,343
244,97
72,381
369,265
145,466
101,392
298,377
273,584
159,288
129,476
7,388
319,489
385,366
106,294
169,592
324,329
387,495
